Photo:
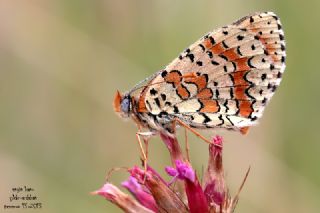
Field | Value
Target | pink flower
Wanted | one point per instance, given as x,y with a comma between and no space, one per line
140,193
214,187
196,198
154,194
123,201
182,171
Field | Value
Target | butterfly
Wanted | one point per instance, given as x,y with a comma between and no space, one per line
223,80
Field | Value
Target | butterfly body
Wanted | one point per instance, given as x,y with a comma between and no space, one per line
224,80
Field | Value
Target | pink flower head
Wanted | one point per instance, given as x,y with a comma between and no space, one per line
218,141
183,171
122,200
140,193
107,191
153,194
139,174
215,189
196,198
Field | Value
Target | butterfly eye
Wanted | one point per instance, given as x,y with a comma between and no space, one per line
125,104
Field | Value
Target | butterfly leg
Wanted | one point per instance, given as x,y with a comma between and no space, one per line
144,153
177,120
187,144
115,169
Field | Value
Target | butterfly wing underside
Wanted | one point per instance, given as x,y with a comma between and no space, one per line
226,78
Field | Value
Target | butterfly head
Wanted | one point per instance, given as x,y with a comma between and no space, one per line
122,104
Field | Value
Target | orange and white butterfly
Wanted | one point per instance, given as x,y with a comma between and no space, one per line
224,80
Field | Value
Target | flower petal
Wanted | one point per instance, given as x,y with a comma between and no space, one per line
125,202
171,171
185,171
166,199
140,194
196,198
215,188
173,147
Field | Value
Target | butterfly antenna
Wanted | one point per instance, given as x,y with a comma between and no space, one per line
138,85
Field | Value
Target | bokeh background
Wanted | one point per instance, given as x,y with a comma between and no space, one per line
62,61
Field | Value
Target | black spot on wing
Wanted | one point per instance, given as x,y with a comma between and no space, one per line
214,63
201,105
163,96
225,45
281,37
206,118
247,92
153,91
190,56
231,93
162,114
238,51
217,93
223,57
231,78
210,54
234,65
225,68
213,42
240,37
225,104
157,101
237,106
264,101
227,116
167,103
164,73
199,63
221,119
175,109
271,67
249,62
202,47
149,105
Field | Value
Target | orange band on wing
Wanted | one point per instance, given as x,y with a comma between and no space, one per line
142,106
244,130
207,43
209,106
217,49
242,64
200,81
245,108
183,92
205,94
141,102
173,77
239,78
231,54
240,92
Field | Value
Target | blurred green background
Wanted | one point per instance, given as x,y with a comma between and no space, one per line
62,61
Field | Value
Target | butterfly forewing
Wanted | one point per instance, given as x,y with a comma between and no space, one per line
225,79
